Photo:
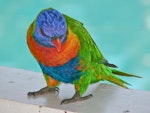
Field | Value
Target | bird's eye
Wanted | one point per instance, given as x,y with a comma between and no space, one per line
54,38
60,37
42,32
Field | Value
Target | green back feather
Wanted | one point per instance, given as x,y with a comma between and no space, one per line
89,51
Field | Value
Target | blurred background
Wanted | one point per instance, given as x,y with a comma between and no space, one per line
120,28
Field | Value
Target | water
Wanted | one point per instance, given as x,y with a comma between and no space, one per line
121,29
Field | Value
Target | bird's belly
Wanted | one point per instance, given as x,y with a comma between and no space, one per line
66,73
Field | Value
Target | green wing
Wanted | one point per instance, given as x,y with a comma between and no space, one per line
97,66
89,50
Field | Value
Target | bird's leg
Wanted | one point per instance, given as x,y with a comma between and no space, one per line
44,90
75,98
50,88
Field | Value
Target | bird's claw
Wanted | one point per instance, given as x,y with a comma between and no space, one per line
44,90
75,98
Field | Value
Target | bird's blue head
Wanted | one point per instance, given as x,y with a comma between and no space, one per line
50,29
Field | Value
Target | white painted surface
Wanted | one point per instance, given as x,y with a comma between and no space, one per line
15,83
9,106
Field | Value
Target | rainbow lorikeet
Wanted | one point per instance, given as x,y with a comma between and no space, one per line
67,53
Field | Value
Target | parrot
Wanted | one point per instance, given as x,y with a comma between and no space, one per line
66,53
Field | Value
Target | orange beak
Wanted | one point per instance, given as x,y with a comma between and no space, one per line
57,44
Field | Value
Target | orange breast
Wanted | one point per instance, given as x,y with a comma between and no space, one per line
50,56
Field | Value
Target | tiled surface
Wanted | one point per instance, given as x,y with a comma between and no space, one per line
15,83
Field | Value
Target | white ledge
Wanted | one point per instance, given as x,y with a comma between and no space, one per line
15,83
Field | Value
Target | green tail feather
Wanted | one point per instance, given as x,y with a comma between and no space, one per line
123,73
116,80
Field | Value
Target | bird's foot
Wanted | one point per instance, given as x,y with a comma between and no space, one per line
75,98
44,90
